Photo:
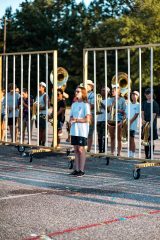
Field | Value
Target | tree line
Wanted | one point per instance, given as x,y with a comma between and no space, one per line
69,27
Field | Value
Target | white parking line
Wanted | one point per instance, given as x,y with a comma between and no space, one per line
21,196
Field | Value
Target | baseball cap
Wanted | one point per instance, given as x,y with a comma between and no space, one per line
148,91
43,84
89,82
115,85
136,92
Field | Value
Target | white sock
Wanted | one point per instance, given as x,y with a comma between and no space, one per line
133,154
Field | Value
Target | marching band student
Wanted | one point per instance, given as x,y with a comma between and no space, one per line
12,106
90,96
134,112
121,107
42,112
60,114
2,114
146,117
79,120
26,110
101,119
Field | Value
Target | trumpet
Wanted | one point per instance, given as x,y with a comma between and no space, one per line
68,126
145,133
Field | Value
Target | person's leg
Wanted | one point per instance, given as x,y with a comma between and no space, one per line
90,136
43,139
146,149
76,152
99,136
119,139
2,129
151,147
82,158
90,141
112,136
24,129
132,146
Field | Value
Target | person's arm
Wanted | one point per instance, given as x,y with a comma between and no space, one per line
134,118
60,111
82,120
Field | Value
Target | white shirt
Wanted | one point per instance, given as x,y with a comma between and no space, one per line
134,109
79,110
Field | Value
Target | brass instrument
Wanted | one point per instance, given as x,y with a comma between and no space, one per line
124,131
122,82
145,134
34,111
68,126
62,77
112,111
98,103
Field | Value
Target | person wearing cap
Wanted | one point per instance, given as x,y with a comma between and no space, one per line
11,102
43,99
61,108
146,117
121,107
101,119
25,114
90,96
134,109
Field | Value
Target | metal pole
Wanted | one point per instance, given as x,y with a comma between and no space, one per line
55,100
85,67
95,107
0,96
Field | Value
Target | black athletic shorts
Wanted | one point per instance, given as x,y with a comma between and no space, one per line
10,121
80,141
132,133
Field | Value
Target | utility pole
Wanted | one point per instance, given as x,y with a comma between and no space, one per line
4,46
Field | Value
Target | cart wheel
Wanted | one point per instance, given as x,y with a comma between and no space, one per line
107,160
136,173
21,149
31,158
70,164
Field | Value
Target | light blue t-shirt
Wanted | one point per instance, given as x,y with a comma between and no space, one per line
121,106
134,109
79,110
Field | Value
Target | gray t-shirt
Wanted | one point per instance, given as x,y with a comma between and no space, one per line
121,106
11,104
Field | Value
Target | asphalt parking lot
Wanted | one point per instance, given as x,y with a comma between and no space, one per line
39,200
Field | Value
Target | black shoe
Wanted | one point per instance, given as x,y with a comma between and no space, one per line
74,173
80,174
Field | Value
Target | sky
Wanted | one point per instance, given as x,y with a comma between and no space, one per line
15,4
